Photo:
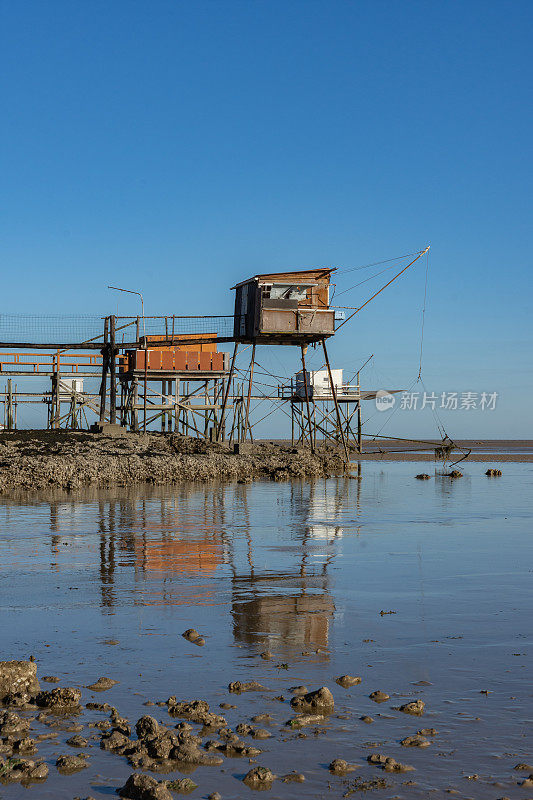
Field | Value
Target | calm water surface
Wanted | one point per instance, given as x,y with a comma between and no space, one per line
104,583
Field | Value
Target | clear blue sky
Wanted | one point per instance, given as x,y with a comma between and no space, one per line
178,147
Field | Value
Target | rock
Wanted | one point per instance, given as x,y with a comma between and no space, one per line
183,786
214,796
388,764
493,473
320,701
422,477
21,769
429,732
144,787
523,767
11,723
18,677
77,741
298,690
341,767
68,765
305,719
527,783
115,742
293,777
347,680
378,696
250,686
367,719
146,726
454,474
416,707
59,698
415,741
102,685
259,778
50,679
192,635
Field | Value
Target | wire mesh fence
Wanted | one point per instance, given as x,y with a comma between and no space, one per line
78,329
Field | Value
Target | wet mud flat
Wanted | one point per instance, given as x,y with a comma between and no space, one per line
71,460
328,638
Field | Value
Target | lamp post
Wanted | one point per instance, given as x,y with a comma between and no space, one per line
131,291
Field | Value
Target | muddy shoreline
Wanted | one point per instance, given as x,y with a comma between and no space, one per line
37,460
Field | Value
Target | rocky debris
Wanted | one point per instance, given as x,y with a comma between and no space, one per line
182,786
59,699
416,707
214,796
266,655
378,696
527,783
192,635
367,719
493,473
341,767
293,777
523,767
23,770
231,745
259,778
302,720
18,678
146,727
98,706
298,690
11,723
236,687
68,765
319,701
196,711
116,742
360,785
423,476
427,732
347,680
102,685
415,741
243,729
70,460
262,718
77,741
388,764
50,679
144,787
454,474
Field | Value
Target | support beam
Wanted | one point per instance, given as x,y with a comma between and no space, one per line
311,438
226,394
334,395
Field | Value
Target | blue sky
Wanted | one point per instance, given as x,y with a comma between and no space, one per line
177,147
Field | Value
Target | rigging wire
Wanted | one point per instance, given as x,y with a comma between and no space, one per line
378,263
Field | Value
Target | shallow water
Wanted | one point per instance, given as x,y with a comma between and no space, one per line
104,583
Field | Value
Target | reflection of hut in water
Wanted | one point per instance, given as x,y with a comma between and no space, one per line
283,621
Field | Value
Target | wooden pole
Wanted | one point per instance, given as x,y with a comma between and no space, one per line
359,420
9,405
304,348
334,394
105,364
249,396
145,382
220,425
112,373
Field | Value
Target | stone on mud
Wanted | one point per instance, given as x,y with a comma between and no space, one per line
59,698
348,680
144,787
341,767
250,686
68,765
259,778
378,696
101,685
18,677
416,707
320,701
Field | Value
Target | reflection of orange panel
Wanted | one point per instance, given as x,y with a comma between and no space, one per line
205,361
167,359
192,360
154,359
218,361
180,360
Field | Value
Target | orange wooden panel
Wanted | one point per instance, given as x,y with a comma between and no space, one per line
167,359
218,361
193,361
154,359
139,359
205,361
180,360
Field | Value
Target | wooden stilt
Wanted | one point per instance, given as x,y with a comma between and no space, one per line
311,441
226,394
105,364
249,396
334,395
112,373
